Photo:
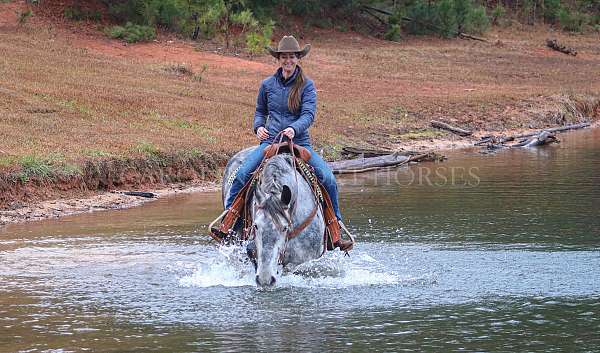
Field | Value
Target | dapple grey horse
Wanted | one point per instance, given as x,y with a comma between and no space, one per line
282,199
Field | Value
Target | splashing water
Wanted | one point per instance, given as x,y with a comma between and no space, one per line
229,267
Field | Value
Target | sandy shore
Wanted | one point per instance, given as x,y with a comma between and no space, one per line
103,201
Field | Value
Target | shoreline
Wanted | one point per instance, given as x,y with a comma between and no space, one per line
113,200
109,200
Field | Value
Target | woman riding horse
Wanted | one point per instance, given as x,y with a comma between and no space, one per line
286,104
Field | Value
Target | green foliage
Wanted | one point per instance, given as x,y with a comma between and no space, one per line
95,153
498,13
572,21
147,149
446,18
33,166
150,12
462,10
131,33
450,15
551,10
245,19
424,18
477,21
200,75
24,16
393,33
256,42
75,13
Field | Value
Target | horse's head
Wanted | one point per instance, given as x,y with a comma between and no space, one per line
272,217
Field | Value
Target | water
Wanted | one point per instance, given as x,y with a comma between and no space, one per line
503,257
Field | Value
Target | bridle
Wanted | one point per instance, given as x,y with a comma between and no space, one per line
289,231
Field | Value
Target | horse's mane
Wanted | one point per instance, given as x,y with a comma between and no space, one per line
272,179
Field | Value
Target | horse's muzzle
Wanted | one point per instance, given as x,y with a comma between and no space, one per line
269,283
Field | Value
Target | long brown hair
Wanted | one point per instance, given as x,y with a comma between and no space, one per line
294,97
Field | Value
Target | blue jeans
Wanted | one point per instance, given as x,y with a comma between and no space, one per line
322,171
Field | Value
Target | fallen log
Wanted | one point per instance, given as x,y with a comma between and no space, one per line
368,162
365,152
472,37
544,138
495,142
453,129
148,195
361,165
555,129
554,45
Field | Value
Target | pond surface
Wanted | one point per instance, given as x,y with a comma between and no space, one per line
479,253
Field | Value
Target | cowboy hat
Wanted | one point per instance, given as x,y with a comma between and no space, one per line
289,44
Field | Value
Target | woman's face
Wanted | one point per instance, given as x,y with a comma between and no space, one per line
288,62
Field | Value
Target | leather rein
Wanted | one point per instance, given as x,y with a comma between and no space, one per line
290,233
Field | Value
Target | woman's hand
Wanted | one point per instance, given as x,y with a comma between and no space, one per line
289,132
262,133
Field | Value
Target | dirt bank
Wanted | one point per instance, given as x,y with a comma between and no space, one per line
82,114
50,209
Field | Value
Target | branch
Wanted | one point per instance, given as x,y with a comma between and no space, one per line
453,129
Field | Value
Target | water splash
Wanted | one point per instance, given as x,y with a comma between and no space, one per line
229,267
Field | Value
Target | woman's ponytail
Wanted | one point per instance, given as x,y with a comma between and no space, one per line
294,98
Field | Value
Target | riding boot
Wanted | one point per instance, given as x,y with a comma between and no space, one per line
344,245
228,224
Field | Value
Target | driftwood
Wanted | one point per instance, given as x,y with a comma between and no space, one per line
557,129
148,195
498,141
469,36
361,165
365,152
553,44
543,138
356,165
453,129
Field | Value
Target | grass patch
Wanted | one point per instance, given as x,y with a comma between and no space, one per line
198,129
24,16
179,69
95,153
185,70
198,76
70,104
147,149
34,166
331,151
6,162
421,134
75,106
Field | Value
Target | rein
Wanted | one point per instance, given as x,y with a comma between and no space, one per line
290,233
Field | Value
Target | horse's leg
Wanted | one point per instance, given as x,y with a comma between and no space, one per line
251,252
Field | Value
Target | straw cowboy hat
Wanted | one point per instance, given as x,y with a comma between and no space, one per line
289,44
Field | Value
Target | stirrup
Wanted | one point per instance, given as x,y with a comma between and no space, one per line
215,232
343,226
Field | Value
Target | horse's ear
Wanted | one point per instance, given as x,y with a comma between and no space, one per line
286,195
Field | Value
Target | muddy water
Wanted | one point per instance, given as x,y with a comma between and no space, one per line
480,253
